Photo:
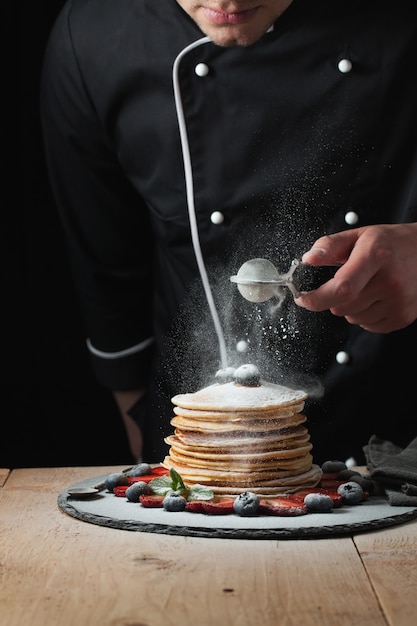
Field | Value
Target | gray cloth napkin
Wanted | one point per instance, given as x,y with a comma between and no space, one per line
394,468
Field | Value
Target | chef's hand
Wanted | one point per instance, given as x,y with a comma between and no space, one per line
125,400
375,286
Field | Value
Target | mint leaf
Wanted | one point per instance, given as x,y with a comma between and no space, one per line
164,484
177,482
200,492
161,485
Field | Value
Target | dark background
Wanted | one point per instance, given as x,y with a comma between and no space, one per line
53,411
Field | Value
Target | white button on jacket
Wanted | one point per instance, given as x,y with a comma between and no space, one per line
201,69
351,218
344,66
342,357
217,217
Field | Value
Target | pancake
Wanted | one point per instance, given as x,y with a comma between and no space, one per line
266,483
241,452
234,437
286,437
226,425
231,396
248,413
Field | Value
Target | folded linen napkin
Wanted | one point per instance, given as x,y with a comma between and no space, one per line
394,468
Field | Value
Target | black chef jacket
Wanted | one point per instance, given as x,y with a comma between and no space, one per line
311,130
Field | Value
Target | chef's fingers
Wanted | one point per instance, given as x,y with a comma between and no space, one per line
361,260
348,284
373,245
333,249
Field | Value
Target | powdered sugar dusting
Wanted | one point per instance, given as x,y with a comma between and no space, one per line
231,396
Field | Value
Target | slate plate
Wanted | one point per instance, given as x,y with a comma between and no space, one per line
106,509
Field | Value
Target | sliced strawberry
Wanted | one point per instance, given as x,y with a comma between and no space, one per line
151,501
195,506
336,497
120,490
286,506
218,506
159,471
146,478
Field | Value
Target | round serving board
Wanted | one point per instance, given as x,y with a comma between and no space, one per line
106,509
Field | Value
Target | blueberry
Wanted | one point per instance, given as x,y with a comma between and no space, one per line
142,469
333,466
318,502
365,482
225,375
174,502
351,492
136,490
246,504
247,375
347,474
115,480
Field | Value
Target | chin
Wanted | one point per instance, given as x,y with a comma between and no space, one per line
227,37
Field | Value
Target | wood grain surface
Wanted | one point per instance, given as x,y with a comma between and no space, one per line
4,473
59,571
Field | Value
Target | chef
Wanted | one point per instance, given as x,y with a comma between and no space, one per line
184,138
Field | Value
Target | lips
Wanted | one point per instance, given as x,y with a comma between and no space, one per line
219,17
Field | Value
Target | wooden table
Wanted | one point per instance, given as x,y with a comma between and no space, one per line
56,570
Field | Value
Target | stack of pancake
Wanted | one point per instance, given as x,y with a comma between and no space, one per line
235,438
